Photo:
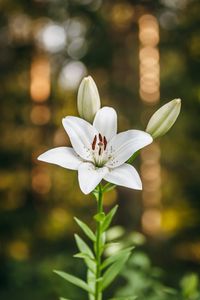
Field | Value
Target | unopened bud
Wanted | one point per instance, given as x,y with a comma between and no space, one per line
164,118
88,99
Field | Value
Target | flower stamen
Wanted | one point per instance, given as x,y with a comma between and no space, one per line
94,142
100,138
105,142
99,145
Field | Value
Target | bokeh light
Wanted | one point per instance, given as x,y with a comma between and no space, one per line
40,114
122,15
149,59
40,79
41,181
52,37
71,75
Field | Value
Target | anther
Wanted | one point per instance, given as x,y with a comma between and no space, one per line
105,142
94,142
100,137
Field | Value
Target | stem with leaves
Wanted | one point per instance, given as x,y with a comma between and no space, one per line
100,273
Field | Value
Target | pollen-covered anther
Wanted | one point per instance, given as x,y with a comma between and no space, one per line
105,142
94,142
100,137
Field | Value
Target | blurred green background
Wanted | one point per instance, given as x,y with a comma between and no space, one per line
138,52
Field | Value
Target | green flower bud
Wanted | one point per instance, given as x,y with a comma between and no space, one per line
164,118
88,99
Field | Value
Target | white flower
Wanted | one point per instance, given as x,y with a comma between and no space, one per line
88,101
98,151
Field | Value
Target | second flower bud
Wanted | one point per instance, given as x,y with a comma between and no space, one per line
164,118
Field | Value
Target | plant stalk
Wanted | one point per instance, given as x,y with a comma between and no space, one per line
98,294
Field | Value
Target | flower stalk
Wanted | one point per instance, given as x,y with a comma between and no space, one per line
98,250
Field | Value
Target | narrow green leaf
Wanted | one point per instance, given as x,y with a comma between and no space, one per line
118,256
113,271
83,247
100,217
83,255
86,229
90,262
86,252
74,280
108,218
65,298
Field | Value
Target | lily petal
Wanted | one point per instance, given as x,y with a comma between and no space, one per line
65,157
81,134
105,122
125,175
89,176
125,144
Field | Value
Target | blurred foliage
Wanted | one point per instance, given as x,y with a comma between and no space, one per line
146,281
190,286
142,279
55,43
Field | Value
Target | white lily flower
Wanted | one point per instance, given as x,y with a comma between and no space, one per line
98,152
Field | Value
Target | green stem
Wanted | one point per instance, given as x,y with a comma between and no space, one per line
98,294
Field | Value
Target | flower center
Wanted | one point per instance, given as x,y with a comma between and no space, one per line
99,145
